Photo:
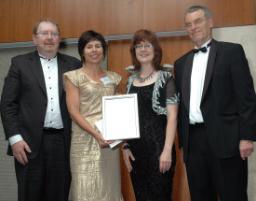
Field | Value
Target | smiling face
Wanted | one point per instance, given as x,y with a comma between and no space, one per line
198,27
93,52
144,52
47,39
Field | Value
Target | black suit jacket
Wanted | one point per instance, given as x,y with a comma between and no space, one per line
24,99
228,101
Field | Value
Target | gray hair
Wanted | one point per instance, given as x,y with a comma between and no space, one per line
208,14
35,27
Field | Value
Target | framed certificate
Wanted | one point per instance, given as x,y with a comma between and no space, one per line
120,117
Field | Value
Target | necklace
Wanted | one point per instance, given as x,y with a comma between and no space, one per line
144,79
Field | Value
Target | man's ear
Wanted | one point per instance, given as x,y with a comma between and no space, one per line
210,21
34,39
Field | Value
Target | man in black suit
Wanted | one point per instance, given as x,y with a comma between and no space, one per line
35,117
217,112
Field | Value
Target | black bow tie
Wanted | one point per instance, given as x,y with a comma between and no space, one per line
202,49
47,58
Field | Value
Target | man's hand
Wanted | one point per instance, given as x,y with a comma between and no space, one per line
20,150
246,148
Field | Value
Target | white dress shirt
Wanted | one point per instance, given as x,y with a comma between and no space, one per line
197,84
53,115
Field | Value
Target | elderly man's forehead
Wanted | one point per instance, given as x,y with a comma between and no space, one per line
47,24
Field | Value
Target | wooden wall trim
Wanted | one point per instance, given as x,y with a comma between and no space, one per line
72,41
112,17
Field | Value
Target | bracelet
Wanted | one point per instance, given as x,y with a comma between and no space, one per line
126,146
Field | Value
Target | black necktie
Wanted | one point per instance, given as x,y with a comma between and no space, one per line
202,49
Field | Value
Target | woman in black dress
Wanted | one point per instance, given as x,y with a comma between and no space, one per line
151,159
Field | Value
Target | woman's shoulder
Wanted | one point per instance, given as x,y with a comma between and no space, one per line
76,76
164,78
165,73
113,75
73,72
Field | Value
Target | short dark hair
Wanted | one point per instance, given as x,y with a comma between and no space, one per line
207,12
87,37
35,27
146,35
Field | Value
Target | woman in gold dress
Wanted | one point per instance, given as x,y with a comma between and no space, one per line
94,167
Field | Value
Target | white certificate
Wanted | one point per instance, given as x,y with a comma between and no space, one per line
120,117
112,145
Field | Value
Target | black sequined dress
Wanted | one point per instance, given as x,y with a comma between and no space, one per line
148,183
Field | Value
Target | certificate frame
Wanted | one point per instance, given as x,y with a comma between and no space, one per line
120,117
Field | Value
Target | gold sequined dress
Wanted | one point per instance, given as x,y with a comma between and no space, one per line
95,171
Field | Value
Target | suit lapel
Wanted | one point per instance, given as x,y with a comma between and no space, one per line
210,67
37,70
186,80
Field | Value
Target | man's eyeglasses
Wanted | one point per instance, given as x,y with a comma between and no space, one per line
45,34
145,46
